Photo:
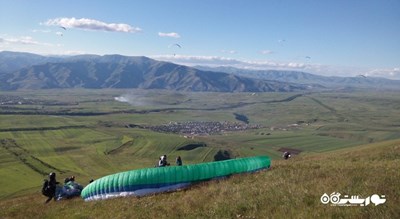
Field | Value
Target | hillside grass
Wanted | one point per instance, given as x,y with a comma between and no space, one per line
81,145
290,189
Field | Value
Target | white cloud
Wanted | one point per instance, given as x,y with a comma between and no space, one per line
74,52
90,24
215,61
391,73
41,31
266,52
23,40
197,60
229,51
172,34
319,69
281,41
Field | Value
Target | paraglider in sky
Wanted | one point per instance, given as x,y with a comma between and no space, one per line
175,45
147,181
307,57
59,33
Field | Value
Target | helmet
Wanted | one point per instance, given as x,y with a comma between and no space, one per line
52,174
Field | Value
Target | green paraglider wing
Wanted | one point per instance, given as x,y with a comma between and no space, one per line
153,180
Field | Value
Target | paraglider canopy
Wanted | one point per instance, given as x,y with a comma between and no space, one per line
175,45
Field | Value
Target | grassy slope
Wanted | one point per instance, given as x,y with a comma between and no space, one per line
337,120
291,189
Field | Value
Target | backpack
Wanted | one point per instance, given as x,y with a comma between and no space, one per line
46,188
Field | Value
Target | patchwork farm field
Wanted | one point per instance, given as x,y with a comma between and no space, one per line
92,133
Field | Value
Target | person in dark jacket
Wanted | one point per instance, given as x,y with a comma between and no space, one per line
179,161
51,187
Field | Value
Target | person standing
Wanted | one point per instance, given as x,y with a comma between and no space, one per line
179,161
50,188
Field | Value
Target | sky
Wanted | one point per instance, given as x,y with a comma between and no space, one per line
325,37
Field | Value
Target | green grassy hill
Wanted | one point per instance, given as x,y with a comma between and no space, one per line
87,133
290,189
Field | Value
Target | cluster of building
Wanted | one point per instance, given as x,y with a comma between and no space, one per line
12,100
17,100
202,127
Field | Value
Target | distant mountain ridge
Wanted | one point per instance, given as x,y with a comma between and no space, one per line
307,78
31,71
12,61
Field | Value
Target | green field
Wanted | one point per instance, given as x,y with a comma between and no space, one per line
85,134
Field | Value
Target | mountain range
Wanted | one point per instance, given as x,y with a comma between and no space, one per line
332,82
32,71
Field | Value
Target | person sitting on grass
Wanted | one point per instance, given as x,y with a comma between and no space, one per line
163,161
69,190
286,155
